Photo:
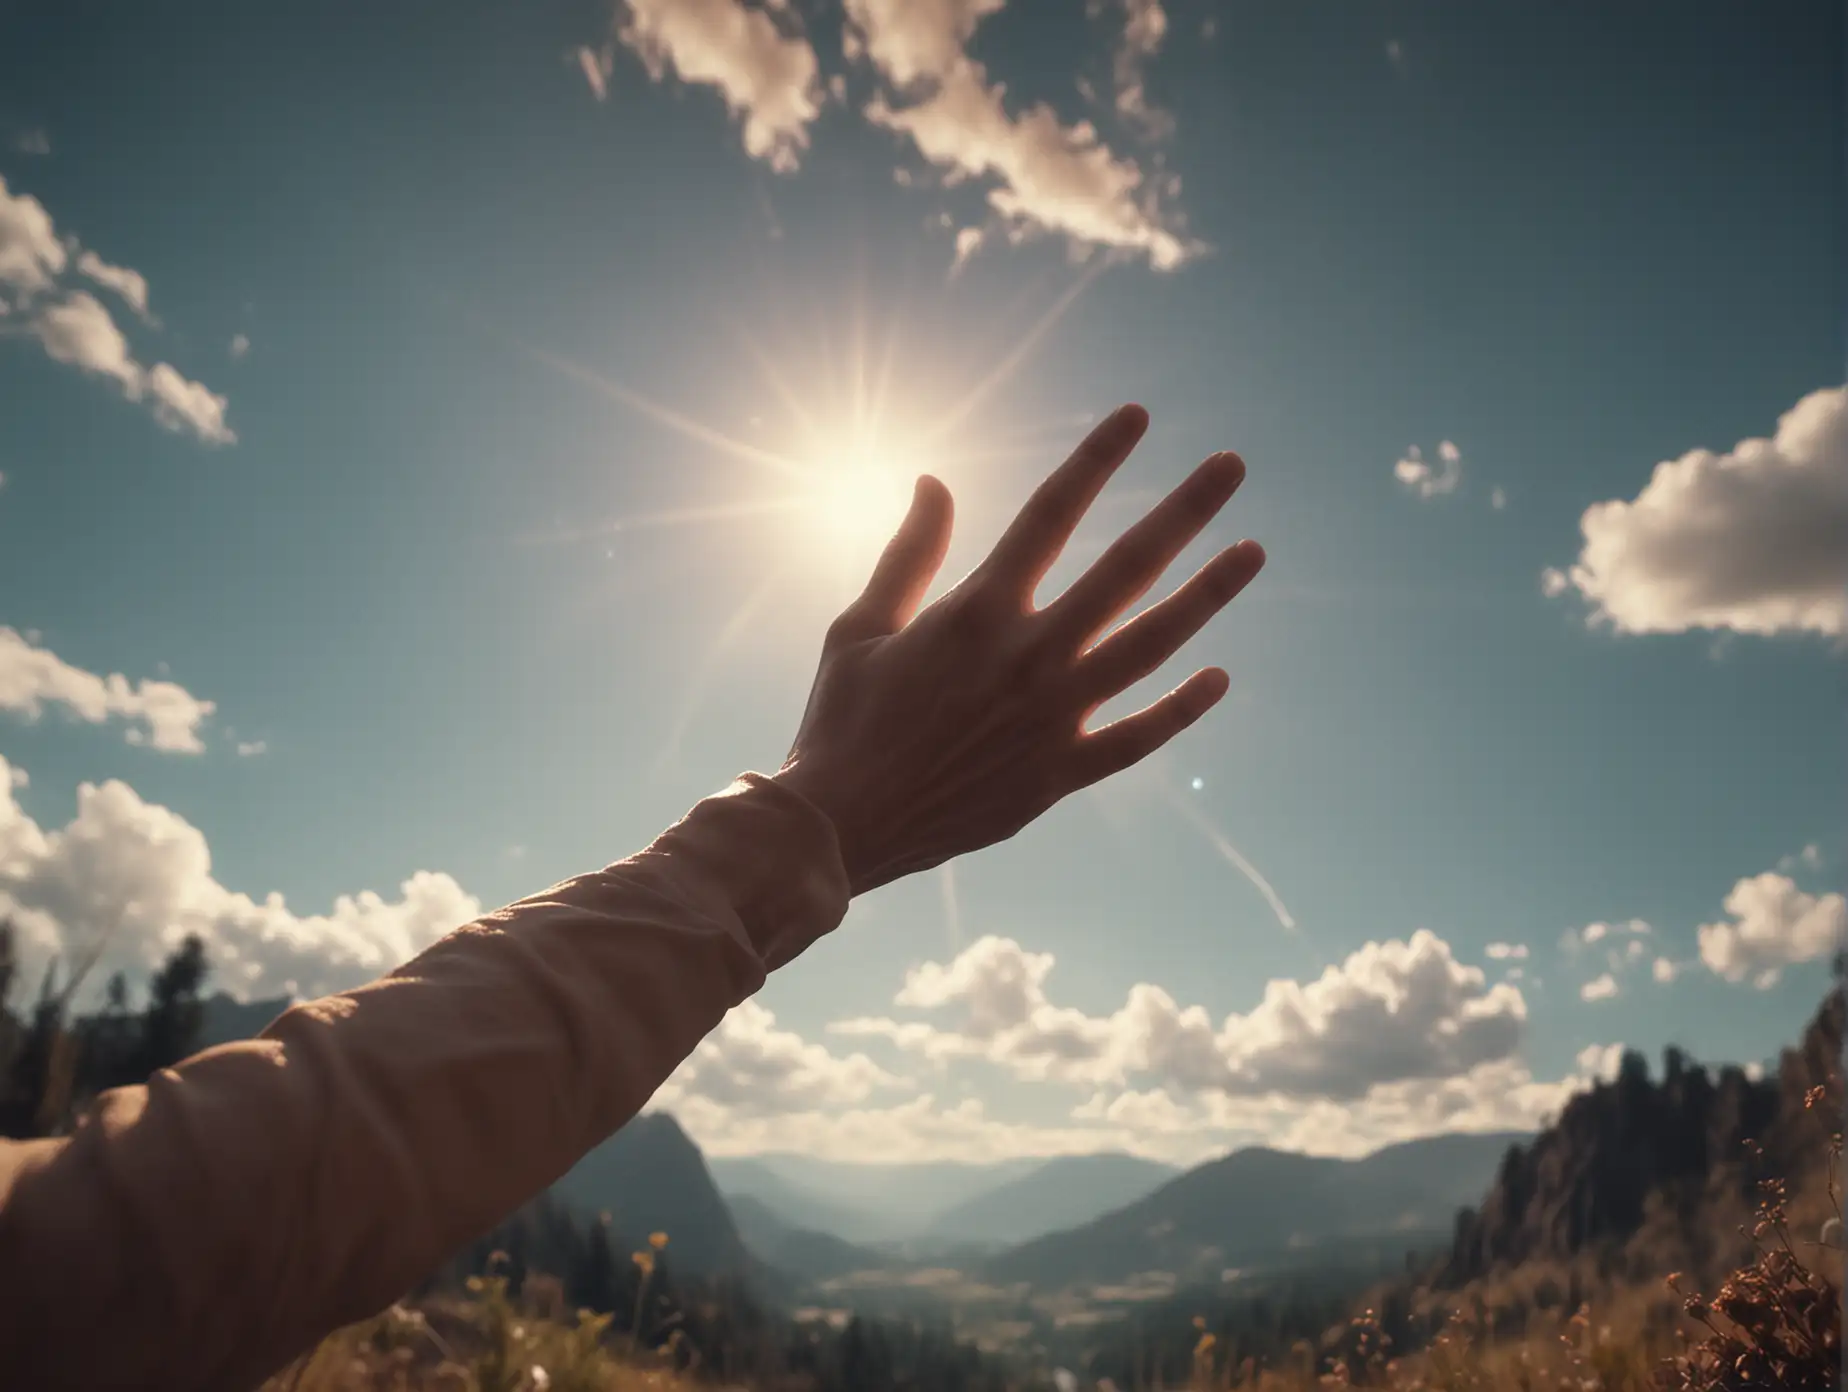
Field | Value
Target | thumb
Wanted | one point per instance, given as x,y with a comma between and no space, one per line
905,569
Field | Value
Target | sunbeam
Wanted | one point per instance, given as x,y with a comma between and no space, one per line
778,383
667,517
1011,360
715,652
692,429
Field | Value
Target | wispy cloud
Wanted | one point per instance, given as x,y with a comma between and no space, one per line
1042,175
160,714
767,75
74,327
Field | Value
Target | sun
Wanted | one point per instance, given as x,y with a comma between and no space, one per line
856,500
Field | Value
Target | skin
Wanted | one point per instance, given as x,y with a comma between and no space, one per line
931,734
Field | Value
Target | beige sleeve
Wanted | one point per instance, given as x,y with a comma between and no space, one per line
202,1230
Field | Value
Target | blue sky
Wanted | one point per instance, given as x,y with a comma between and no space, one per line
352,360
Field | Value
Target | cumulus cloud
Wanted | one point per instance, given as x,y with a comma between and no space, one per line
1427,480
921,1128
1503,952
239,346
750,1068
1392,1012
126,880
1771,925
768,78
75,328
1750,540
1500,1096
160,714
31,256
1665,970
913,40
1162,1122
33,142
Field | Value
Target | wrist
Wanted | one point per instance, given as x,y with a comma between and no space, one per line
800,780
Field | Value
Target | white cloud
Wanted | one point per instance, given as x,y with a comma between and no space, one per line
181,404
1392,1012
73,327
1664,970
131,285
910,40
921,1128
161,714
128,879
240,345
1599,988
1498,1096
1772,925
31,256
1502,952
1418,475
247,749
768,78
1047,177
1145,27
33,142
77,330
750,1068
1752,540
1162,1123
1498,498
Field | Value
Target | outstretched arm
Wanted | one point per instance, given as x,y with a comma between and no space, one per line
223,1217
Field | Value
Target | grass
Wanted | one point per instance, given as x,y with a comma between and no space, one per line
485,1342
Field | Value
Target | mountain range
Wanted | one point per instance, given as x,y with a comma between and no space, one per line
864,1203
1258,1205
1047,1223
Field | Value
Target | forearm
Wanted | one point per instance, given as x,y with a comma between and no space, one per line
220,1219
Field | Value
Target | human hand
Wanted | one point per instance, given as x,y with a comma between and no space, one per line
930,736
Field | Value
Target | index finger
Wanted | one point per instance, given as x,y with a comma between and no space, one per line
1039,532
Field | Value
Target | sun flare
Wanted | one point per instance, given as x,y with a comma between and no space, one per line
858,500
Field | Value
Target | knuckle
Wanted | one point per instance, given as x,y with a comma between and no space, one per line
849,627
